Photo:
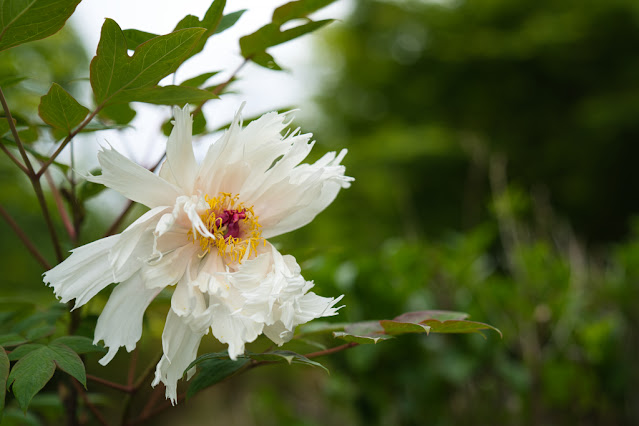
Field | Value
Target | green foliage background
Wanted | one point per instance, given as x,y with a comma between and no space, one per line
493,145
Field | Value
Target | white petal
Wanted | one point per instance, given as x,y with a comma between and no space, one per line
170,268
131,236
180,167
233,329
278,333
180,344
87,271
300,195
120,323
134,181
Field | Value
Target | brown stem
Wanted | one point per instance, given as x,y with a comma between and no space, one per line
66,141
34,178
132,365
147,373
99,417
14,159
23,237
220,87
112,385
331,350
60,205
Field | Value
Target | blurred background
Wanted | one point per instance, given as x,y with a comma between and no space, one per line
493,145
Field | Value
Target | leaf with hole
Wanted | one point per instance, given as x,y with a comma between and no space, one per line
113,72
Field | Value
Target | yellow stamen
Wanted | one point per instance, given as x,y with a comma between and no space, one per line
234,249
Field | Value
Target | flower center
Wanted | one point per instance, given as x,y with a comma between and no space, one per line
234,226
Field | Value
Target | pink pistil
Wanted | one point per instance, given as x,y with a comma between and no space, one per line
231,219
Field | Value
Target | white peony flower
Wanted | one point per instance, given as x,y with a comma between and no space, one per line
206,233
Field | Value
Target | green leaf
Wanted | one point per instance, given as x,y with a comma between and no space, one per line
4,125
457,326
4,374
166,95
396,327
69,362
365,332
60,110
229,20
118,113
22,21
298,9
21,351
289,356
79,344
199,80
209,356
419,316
113,71
30,374
265,60
11,80
134,38
11,339
39,332
210,22
270,35
213,371
87,190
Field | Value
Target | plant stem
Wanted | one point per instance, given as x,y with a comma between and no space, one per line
66,141
112,385
34,178
23,237
332,350
60,205
14,159
99,417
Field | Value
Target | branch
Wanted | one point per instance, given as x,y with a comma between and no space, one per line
66,141
23,237
332,350
112,385
60,205
14,159
35,180
99,417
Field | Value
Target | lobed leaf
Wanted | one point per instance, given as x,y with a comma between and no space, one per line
30,374
298,9
265,60
365,332
4,374
118,113
22,21
199,80
23,350
79,344
213,371
458,326
271,35
60,110
113,71
68,361
11,339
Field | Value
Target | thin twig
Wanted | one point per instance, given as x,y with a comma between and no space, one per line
332,350
112,385
14,159
99,417
35,180
132,365
152,412
220,87
147,373
23,237
66,141
60,205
